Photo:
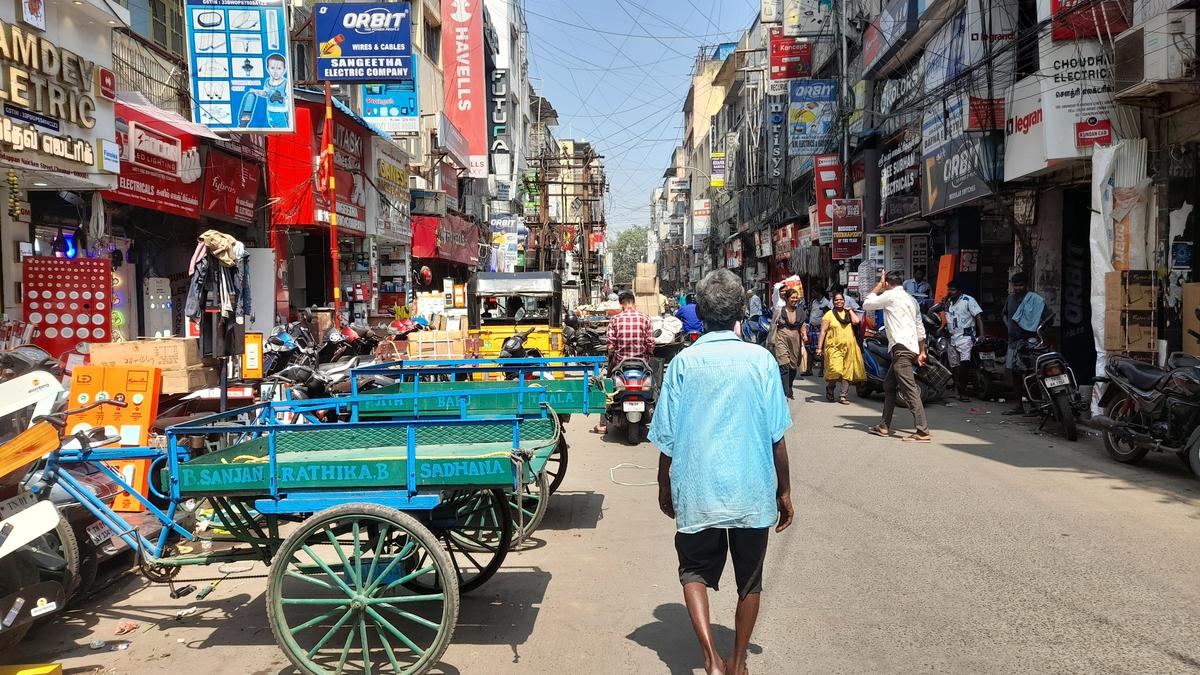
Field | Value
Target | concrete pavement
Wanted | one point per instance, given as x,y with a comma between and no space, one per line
994,549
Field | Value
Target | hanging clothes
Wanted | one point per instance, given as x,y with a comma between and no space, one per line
223,287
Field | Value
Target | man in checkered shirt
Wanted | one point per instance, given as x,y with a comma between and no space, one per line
630,336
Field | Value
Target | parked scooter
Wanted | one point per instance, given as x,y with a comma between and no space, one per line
1050,388
933,379
1148,408
755,329
635,392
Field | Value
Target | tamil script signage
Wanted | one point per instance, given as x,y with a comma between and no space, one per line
176,192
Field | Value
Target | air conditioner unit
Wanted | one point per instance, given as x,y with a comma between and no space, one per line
1161,48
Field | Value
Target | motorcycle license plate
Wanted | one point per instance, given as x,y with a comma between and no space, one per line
987,356
1056,381
634,406
10,507
99,533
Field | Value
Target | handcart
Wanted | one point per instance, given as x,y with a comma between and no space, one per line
371,528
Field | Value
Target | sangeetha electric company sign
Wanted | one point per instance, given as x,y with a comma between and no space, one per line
364,42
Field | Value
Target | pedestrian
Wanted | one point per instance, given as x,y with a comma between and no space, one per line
818,305
723,469
838,345
851,303
787,338
906,343
965,319
917,286
756,306
1024,313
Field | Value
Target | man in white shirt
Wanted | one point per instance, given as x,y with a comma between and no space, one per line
906,342
917,286
965,319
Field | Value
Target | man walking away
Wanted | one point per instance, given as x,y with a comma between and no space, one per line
906,342
630,336
965,317
723,472
1024,311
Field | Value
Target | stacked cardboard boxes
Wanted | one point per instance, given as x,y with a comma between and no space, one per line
1129,321
646,288
437,344
179,359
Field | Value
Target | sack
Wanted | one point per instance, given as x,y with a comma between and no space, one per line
804,358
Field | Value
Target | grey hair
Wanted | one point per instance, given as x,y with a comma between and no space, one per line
720,299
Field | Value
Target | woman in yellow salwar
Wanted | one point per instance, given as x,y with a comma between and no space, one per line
838,345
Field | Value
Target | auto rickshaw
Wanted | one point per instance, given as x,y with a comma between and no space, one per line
501,305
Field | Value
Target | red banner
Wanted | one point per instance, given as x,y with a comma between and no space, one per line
175,189
230,188
1089,19
462,57
349,166
448,238
791,57
847,228
827,178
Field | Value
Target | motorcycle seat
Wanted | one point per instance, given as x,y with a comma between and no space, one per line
1182,360
1141,375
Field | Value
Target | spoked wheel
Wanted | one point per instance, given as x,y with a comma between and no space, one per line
477,541
556,466
1123,411
341,603
529,507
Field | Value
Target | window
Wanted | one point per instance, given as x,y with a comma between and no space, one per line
432,39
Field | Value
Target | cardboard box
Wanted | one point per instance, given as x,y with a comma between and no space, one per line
1129,290
168,354
1130,332
437,344
645,285
648,305
1191,322
645,269
192,379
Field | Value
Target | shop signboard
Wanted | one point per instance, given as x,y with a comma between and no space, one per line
230,188
1077,98
733,254
776,118
887,33
1024,135
717,176
899,178
349,161
807,17
176,192
945,56
465,89
363,41
783,240
452,141
393,107
1085,19
827,184
448,179
956,165
679,185
811,107
771,11
990,41
498,131
762,244
391,189
701,216
240,65
790,58
847,229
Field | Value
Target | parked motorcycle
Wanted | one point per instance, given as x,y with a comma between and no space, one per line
1050,388
1148,408
634,395
755,329
985,373
933,379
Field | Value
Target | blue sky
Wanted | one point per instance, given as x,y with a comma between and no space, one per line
617,73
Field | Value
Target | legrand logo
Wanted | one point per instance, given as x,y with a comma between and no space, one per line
1025,123
373,20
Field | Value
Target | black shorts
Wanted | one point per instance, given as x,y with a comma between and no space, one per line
702,557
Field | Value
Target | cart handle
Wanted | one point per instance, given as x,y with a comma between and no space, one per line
59,419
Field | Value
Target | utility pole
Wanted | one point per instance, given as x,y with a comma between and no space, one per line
585,227
843,23
543,214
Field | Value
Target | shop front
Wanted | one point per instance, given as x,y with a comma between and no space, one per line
393,233
443,247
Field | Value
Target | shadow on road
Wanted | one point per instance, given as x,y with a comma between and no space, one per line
574,511
670,635
504,611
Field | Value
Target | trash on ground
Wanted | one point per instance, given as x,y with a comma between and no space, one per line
97,644
187,611
127,627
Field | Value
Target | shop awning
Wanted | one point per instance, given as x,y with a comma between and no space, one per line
904,226
173,120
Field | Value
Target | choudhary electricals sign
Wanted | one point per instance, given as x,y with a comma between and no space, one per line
43,85
364,42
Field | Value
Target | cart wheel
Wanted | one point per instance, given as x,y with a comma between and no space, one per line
556,465
478,542
533,501
340,603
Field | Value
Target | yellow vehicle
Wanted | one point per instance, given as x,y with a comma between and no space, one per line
501,305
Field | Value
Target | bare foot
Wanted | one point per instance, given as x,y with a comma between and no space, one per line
734,668
714,667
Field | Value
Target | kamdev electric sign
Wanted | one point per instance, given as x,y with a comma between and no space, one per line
364,42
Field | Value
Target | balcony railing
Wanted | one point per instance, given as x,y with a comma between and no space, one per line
158,74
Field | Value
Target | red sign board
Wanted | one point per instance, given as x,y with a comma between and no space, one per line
791,57
230,188
1089,19
1093,131
447,237
349,144
169,191
106,82
827,177
464,86
847,228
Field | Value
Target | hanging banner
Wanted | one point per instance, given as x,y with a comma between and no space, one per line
807,17
811,107
230,189
240,65
717,177
847,229
465,88
363,42
776,119
771,11
827,183
701,217
790,58
957,166
156,144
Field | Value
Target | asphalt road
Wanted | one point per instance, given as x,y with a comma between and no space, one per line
994,549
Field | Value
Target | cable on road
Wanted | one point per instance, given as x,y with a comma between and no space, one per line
612,474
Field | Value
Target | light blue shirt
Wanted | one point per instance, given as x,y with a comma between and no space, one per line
720,411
